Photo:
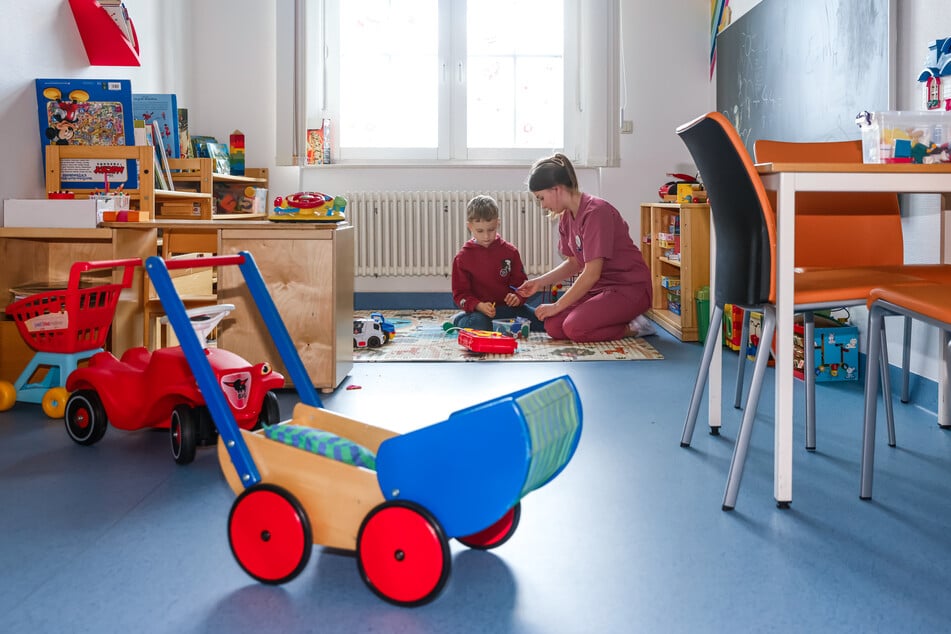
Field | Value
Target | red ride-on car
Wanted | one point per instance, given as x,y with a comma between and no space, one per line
147,389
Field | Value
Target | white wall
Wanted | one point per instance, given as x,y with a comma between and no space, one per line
219,57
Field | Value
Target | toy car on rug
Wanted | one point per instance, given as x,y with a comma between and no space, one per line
394,499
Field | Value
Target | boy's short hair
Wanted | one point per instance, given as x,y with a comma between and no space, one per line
482,208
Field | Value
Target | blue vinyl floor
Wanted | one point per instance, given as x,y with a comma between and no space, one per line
629,538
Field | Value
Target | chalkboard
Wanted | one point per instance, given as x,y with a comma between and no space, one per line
800,70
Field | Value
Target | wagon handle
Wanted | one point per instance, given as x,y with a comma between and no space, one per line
208,260
78,268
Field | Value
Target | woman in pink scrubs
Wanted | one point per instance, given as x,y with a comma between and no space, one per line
612,288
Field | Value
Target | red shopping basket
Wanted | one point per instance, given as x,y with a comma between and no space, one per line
75,319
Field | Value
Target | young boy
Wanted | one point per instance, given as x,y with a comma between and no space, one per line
486,271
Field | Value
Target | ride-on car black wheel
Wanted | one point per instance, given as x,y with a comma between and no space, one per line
496,534
183,431
85,417
374,342
270,411
269,533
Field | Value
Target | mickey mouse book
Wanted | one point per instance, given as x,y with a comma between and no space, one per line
88,112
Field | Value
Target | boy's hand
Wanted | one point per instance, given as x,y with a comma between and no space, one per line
487,309
513,300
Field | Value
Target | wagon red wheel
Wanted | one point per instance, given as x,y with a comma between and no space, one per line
403,553
269,534
496,534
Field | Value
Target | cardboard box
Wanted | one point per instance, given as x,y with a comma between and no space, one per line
75,213
905,136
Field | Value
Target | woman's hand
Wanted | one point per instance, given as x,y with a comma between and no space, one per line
528,288
544,311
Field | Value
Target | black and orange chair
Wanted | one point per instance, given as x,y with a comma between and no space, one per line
846,230
745,230
929,303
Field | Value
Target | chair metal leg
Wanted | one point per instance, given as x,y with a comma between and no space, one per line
887,389
872,377
749,414
701,383
906,361
741,360
809,375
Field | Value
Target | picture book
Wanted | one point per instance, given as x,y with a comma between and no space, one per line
184,141
218,152
88,112
161,156
161,108
199,145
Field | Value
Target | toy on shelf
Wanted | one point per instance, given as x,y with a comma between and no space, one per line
322,478
309,207
145,389
65,327
487,341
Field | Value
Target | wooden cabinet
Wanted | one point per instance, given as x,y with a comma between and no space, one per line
197,175
675,240
309,273
308,269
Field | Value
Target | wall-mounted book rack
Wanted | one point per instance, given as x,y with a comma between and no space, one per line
105,41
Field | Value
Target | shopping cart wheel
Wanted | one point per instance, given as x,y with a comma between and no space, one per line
403,553
183,431
8,395
270,411
85,417
496,534
269,533
54,402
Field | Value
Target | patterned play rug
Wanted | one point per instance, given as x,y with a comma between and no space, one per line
420,337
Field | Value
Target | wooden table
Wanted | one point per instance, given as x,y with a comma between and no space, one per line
786,179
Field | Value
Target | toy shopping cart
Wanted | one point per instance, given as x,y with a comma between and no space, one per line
65,327
394,499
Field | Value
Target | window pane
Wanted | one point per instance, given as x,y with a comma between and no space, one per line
515,83
389,73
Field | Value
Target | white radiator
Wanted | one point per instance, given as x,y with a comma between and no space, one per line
419,233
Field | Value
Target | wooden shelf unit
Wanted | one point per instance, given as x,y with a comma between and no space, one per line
693,268
197,175
156,202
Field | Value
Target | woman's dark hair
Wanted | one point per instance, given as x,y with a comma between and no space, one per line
549,172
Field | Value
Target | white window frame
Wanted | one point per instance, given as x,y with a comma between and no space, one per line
591,112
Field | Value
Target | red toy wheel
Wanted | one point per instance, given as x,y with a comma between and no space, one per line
183,431
307,200
85,417
496,534
403,553
269,534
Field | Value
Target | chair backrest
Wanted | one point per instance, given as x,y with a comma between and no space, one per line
742,216
835,229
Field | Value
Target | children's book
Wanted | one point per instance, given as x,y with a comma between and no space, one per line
200,145
161,108
88,112
161,157
184,141
218,152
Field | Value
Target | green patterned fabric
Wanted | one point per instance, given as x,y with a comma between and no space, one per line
323,443
553,420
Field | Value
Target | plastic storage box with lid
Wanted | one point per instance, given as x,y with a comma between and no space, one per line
905,136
